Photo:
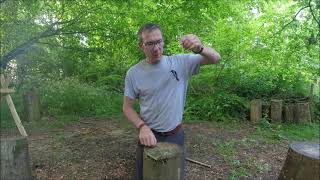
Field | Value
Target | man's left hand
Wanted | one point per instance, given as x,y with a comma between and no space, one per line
191,42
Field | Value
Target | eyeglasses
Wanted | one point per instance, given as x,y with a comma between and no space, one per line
152,44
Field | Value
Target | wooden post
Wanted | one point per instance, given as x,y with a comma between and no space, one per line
276,110
163,162
289,112
255,110
31,104
303,112
13,111
302,162
15,162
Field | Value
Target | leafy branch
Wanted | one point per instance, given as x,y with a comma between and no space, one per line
293,19
52,30
295,16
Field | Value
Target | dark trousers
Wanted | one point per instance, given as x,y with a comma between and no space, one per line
178,138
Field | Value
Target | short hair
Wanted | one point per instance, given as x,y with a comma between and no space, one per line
147,27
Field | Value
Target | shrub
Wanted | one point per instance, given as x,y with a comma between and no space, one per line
216,106
70,96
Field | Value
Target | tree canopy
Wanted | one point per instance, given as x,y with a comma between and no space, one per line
268,48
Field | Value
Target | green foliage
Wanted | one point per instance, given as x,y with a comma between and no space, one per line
70,96
79,62
275,133
216,106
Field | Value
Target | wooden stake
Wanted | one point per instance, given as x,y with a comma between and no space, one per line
197,162
13,109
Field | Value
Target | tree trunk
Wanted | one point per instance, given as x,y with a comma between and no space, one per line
255,110
303,112
162,162
289,112
15,162
31,105
302,162
276,110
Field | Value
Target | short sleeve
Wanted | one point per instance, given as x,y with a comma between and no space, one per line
191,63
130,89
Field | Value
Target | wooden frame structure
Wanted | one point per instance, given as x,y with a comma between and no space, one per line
5,92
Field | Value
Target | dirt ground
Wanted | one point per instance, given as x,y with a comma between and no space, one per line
105,149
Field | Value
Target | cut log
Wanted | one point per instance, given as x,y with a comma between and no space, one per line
289,112
15,162
255,110
31,106
302,162
303,114
163,162
276,110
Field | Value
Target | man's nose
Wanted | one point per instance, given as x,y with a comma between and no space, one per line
158,46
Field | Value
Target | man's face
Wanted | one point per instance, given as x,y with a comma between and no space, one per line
152,45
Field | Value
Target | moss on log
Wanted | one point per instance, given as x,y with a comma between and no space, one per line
162,162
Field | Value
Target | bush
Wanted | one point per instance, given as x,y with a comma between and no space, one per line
70,96
216,106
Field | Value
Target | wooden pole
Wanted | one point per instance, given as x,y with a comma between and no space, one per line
289,112
276,110
255,110
13,111
303,112
31,103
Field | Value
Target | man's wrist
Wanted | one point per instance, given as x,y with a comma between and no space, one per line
199,51
140,126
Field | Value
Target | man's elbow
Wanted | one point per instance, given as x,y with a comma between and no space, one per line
215,58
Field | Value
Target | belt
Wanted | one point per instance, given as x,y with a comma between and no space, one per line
169,133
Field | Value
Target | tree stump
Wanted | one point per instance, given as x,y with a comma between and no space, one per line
162,162
303,112
15,162
302,162
276,110
289,112
31,105
255,110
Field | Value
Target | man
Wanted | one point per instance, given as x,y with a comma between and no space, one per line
160,84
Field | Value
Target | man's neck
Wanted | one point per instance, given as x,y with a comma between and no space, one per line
152,62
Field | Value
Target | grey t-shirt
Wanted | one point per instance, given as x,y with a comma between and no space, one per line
161,89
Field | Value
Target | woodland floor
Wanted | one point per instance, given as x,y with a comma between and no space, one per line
105,149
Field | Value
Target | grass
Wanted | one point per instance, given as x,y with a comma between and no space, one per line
276,133
264,133
54,122
228,150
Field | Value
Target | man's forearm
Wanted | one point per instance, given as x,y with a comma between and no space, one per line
211,55
133,116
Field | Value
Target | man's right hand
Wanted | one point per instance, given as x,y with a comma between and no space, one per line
147,137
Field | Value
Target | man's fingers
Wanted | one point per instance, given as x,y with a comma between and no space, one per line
190,42
142,141
148,140
155,140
